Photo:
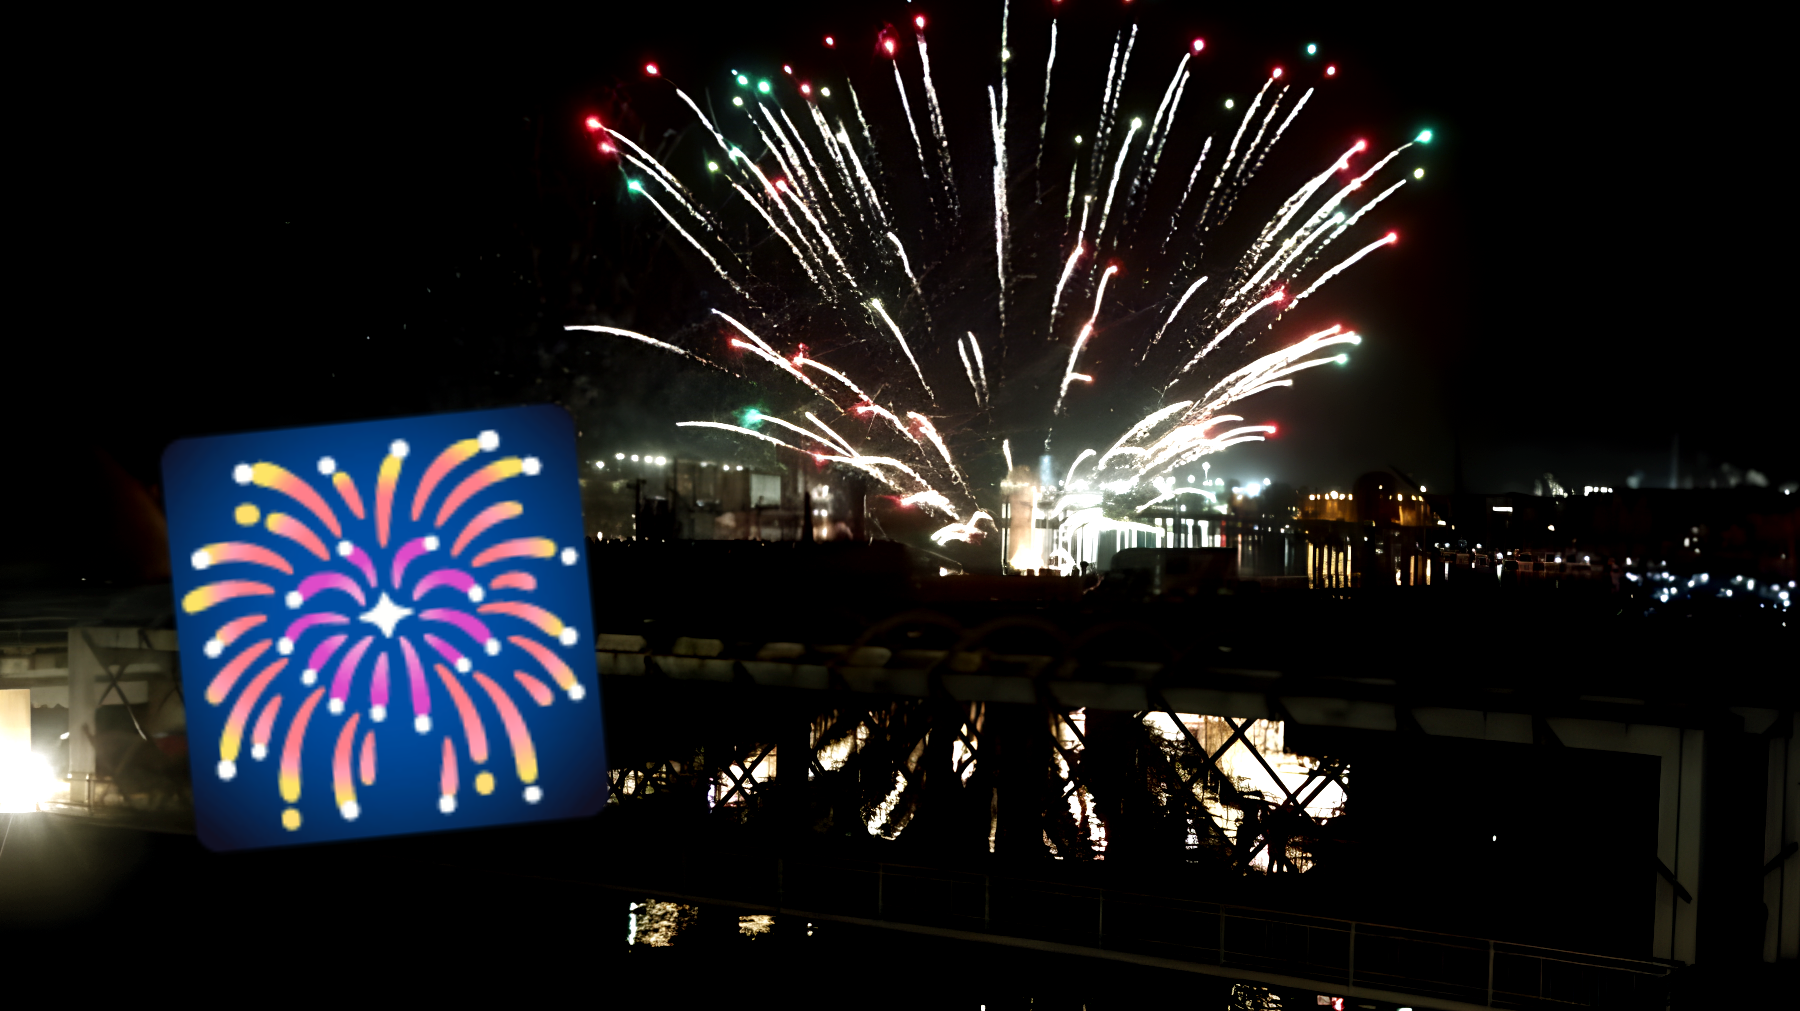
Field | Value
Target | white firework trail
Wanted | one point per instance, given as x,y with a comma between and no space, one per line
1175,219
738,429
1386,240
1069,479
823,186
885,461
905,264
1112,70
1273,298
830,247
837,158
803,432
1294,113
969,367
1166,496
652,341
1231,152
1044,124
724,145
937,440
638,188
810,363
906,106
1151,421
1069,373
1150,138
1189,293
934,499
773,227
1069,206
1113,187
892,419
1109,106
1297,202
1256,141
836,438
980,365
937,129
791,164
1350,222
1168,128
762,348
999,208
774,197
664,178
868,184
1074,255
895,327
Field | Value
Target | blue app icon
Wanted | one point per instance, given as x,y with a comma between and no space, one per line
385,627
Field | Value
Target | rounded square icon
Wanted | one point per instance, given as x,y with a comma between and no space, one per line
385,627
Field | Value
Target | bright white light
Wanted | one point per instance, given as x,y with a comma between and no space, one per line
23,785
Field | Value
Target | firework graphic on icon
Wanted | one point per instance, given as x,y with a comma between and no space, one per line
370,624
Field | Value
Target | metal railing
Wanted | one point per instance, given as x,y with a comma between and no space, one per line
1330,952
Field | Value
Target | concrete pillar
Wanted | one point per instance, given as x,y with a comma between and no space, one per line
84,694
16,785
1781,883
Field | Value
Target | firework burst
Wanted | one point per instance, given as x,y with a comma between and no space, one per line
914,375
336,590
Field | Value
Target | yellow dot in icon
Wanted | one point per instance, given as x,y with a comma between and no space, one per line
290,819
247,515
484,783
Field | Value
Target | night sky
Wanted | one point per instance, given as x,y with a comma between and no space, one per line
315,219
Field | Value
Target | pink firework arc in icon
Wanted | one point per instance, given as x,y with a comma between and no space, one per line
397,602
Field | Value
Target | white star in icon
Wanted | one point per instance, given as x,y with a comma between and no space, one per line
385,615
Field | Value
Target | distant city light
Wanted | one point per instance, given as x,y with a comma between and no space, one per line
1312,49
1199,44
1229,104
1418,173
651,69
599,464
1424,137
